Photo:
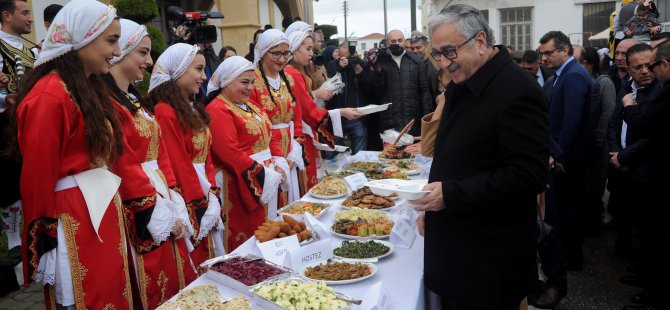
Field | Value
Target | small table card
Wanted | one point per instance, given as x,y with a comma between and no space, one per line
376,298
403,233
321,229
314,252
356,180
275,250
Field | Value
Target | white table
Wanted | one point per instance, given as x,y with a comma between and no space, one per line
401,273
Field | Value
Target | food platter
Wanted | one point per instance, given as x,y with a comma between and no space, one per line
298,208
352,237
363,198
407,166
371,267
381,242
326,197
329,188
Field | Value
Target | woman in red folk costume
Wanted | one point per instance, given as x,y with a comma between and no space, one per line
73,237
316,124
163,265
273,94
241,134
177,76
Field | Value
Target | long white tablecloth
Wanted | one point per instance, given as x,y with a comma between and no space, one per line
401,273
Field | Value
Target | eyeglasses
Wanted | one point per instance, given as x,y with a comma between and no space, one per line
639,67
655,64
548,53
450,53
277,55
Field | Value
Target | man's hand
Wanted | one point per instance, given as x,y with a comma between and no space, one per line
628,100
4,80
614,160
358,69
179,230
433,201
344,62
182,32
350,113
421,223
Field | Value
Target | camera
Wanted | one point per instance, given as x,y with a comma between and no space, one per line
382,49
195,23
352,48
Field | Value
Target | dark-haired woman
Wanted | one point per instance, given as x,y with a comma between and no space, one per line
241,134
273,93
155,224
73,235
321,125
177,76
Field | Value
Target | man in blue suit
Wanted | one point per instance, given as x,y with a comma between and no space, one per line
572,97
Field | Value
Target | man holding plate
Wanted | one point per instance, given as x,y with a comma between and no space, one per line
490,162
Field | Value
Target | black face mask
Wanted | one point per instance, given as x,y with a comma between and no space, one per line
395,49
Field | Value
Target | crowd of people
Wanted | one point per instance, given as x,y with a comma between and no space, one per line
158,183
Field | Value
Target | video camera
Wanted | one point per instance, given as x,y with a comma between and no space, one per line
353,60
199,31
382,49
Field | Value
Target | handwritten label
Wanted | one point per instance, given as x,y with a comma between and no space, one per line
275,250
320,228
376,298
403,234
356,181
309,254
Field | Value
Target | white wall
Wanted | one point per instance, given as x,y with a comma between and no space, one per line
38,16
264,11
548,15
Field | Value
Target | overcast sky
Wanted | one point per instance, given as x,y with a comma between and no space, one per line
366,16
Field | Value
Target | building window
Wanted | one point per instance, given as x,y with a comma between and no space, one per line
596,19
516,28
363,46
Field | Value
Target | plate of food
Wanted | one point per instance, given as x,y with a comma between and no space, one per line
375,171
406,166
298,208
394,152
408,189
281,229
241,272
205,297
336,272
364,198
329,188
290,292
363,249
360,223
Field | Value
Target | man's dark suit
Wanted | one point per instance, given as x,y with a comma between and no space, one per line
572,96
491,156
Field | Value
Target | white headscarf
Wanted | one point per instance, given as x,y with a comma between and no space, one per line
77,24
297,26
172,63
131,35
227,72
268,39
295,39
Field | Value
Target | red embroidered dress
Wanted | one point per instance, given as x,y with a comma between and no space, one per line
189,149
53,145
318,120
237,134
163,266
281,111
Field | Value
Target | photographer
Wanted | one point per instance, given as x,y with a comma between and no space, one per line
356,78
400,79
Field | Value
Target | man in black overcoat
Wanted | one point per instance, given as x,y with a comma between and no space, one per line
490,163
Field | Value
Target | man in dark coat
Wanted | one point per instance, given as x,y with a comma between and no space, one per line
573,99
489,165
400,79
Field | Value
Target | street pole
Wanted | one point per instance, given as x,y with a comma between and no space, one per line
346,11
386,30
412,15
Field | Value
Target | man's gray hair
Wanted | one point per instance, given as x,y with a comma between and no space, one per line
469,21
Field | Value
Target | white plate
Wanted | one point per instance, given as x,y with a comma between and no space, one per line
408,189
327,197
407,172
386,243
325,147
373,270
300,217
345,236
373,108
